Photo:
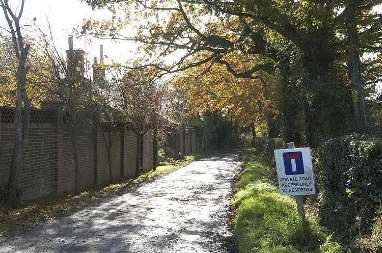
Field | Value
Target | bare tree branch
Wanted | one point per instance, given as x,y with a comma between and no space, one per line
21,9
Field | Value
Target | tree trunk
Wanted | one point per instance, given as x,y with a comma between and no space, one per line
155,141
254,134
22,128
319,87
291,102
314,83
155,148
273,130
354,69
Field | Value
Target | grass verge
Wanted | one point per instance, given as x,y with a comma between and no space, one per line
266,221
13,220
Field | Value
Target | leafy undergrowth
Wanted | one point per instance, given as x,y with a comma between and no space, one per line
266,221
12,220
373,242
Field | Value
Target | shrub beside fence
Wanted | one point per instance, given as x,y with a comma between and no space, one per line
348,173
349,178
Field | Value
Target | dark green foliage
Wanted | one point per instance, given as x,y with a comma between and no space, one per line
2,194
376,235
220,131
349,181
291,104
374,119
265,147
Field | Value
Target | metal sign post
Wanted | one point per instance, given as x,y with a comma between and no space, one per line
299,199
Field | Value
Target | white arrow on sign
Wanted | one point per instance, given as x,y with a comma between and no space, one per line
294,166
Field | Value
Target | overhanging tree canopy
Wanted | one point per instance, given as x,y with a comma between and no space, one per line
318,29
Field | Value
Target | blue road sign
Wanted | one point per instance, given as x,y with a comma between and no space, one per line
295,171
293,163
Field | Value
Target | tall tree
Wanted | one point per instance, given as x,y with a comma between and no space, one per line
38,77
137,99
71,91
21,51
354,67
311,26
362,28
244,101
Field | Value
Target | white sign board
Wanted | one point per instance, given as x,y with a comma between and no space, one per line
295,171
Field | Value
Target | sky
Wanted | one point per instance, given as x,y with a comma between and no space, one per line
63,16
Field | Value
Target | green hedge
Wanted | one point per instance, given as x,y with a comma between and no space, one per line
349,179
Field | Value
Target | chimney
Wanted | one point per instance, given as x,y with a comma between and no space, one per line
101,56
70,40
99,71
75,60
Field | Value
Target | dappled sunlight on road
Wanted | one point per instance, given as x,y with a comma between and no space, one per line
185,211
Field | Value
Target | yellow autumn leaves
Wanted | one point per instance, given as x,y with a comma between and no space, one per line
212,88
38,78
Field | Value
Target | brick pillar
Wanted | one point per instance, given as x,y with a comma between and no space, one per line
60,169
122,149
196,140
178,149
0,124
184,140
190,140
95,150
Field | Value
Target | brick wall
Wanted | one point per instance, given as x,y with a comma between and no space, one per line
49,155
181,146
103,138
86,154
193,141
148,151
38,177
130,154
7,137
116,154
185,140
68,164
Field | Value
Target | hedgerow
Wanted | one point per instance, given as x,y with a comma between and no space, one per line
349,179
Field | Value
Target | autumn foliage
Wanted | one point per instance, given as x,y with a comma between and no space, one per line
212,88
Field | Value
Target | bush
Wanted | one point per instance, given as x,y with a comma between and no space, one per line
2,195
372,243
349,178
376,235
265,147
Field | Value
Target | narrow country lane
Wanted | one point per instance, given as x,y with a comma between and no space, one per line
185,211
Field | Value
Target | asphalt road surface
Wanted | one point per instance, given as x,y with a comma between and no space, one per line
185,211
